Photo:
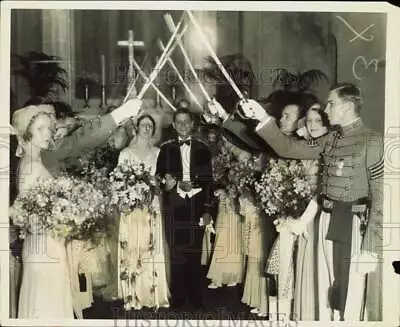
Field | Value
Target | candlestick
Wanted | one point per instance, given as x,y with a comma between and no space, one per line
103,70
86,96
173,93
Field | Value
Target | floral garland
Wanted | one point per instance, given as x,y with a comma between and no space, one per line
65,207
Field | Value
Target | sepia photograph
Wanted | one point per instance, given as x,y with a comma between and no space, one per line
183,162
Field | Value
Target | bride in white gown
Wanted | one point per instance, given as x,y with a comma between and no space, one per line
149,288
45,288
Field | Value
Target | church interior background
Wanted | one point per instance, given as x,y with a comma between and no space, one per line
268,40
297,41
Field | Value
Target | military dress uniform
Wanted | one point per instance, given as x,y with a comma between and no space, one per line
90,135
351,209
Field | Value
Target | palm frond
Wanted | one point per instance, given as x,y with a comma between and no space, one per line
42,72
310,78
284,79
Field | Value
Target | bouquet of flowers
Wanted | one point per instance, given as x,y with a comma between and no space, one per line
221,165
95,166
65,207
284,189
243,173
236,171
132,187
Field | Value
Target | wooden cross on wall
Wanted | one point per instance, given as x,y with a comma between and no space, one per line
131,44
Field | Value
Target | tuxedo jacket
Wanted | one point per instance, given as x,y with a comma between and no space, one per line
170,162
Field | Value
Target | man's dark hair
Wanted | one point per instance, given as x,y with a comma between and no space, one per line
300,108
349,92
184,111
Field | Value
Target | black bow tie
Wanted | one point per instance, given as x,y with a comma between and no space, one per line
187,142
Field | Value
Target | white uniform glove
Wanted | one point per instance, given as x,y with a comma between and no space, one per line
216,109
129,109
366,262
252,109
299,226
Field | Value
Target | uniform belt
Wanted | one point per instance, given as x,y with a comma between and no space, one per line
357,206
342,213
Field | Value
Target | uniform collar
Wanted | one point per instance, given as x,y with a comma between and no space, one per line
357,123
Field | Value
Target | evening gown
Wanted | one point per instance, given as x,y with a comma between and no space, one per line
227,263
142,273
45,288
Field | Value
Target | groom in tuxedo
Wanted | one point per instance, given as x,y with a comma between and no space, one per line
184,163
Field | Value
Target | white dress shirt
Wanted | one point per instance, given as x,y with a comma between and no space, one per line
185,154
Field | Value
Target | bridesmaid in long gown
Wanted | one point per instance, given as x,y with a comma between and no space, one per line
227,263
306,302
305,291
149,288
45,287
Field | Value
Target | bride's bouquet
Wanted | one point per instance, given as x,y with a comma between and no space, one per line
284,188
132,186
65,207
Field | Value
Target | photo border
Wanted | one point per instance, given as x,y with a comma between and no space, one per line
391,281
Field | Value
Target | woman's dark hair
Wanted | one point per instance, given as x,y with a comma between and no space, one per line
322,114
151,119
28,133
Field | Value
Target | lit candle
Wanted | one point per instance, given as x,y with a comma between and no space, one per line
103,70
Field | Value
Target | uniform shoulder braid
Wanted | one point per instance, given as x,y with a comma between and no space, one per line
375,154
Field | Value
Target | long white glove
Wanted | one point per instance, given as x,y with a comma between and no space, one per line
129,109
252,109
216,109
299,226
